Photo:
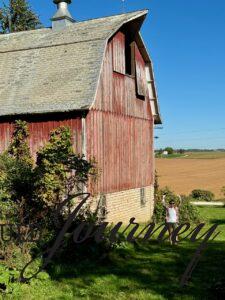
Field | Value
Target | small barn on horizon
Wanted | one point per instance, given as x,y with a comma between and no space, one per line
96,77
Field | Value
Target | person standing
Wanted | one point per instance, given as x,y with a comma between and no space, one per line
172,216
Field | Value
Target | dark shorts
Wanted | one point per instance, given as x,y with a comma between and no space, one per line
171,225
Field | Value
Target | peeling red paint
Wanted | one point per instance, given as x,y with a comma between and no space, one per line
40,128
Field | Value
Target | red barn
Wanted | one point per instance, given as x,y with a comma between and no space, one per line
96,77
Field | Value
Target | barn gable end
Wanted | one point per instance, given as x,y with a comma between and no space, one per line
117,91
120,129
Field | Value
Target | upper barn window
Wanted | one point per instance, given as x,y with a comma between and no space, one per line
128,60
123,54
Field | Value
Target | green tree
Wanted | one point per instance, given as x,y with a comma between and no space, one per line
60,172
169,150
160,151
36,189
30,193
16,169
19,148
17,16
181,151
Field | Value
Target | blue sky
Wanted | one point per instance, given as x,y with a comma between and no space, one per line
186,41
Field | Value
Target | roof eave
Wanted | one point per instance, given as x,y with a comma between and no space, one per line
158,120
146,56
139,18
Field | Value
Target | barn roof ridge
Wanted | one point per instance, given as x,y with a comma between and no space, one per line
77,32
49,29
145,10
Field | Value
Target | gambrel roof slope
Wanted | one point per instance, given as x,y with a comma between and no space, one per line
45,70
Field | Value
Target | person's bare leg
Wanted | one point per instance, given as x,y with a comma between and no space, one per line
177,240
170,233
173,228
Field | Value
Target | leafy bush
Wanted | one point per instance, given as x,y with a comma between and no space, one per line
188,212
60,172
31,193
202,195
181,151
16,176
159,213
16,202
16,256
7,277
89,249
9,282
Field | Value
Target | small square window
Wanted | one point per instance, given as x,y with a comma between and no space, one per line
142,197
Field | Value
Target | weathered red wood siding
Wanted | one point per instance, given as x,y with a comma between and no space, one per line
120,129
40,128
119,52
122,146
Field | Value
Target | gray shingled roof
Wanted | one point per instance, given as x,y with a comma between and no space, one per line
51,71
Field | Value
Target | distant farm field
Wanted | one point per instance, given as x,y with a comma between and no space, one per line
198,170
205,155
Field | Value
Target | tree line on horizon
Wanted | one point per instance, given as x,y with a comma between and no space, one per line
171,150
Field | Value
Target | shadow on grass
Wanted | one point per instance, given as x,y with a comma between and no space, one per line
150,267
218,222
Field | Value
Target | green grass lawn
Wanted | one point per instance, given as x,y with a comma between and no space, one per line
140,271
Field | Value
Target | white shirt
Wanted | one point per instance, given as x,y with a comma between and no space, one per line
172,215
